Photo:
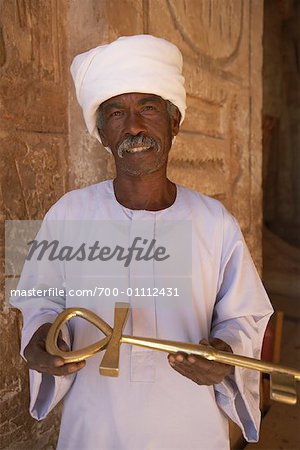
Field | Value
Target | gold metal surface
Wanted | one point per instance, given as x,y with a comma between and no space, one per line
212,354
283,379
110,362
86,352
283,388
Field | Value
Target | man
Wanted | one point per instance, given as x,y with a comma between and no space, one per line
133,100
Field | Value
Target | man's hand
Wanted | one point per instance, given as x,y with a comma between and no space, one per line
40,360
201,370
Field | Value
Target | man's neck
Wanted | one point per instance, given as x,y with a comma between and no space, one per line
151,192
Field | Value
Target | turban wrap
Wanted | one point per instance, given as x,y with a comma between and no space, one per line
142,63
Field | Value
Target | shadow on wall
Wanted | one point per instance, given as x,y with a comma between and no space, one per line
281,119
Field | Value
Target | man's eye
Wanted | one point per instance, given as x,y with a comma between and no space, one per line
116,113
148,108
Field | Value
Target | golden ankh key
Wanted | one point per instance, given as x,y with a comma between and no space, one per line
282,379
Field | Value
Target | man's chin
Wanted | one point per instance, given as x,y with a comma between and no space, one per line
140,171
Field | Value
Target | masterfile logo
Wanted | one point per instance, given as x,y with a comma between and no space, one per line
140,249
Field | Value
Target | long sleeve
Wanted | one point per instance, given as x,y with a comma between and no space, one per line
45,390
241,314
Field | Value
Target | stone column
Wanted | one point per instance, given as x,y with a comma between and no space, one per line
34,148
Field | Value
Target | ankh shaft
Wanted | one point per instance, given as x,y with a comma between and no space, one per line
211,354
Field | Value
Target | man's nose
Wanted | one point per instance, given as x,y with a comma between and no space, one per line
134,124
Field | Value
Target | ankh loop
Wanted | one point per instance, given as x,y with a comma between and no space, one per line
282,379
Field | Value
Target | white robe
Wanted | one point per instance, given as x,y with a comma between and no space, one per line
150,406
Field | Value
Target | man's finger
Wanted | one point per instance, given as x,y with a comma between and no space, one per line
69,368
65,369
45,360
62,345
178,357
220,345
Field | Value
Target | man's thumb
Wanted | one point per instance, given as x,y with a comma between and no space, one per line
62,345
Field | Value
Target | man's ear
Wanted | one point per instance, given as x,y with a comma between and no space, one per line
102,137
175,122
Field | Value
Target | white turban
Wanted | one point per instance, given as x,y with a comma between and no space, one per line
142,63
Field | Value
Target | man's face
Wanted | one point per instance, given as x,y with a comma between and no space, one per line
139,130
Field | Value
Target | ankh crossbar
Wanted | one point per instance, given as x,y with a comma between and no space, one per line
282,379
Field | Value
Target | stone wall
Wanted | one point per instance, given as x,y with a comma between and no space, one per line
47,150
34,149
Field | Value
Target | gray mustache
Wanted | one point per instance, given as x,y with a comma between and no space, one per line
137,141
